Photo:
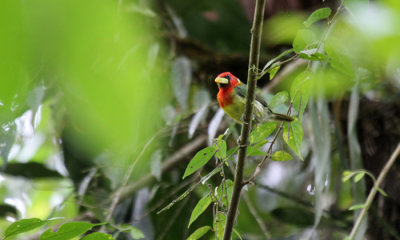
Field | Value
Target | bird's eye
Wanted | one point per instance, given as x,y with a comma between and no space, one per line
228,77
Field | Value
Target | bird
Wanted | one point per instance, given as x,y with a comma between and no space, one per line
231,98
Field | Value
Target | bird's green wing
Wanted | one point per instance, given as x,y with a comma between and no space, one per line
261,100
241,91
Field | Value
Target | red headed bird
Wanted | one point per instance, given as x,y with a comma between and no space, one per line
231,98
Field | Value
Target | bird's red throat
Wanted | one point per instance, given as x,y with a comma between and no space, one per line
225,96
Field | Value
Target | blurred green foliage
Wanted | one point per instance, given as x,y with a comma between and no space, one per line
89,71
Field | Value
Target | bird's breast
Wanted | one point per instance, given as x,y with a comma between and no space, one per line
225,97
232,104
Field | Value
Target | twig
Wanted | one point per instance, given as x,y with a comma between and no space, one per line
248,113
373,191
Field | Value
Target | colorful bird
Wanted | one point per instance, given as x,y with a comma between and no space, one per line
231,98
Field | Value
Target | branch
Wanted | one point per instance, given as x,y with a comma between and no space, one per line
373,191
244,136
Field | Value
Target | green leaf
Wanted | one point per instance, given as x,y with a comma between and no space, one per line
199,160
220,144
278,99
312,54
293,136
200,207
382,192
273,61
260,143
254,151
225,191
359,176
281,156
338,60
199,233
68,231
303,39
237,234
300,93
347,175
355,207
262,131
219,225
232,151
136,233
317,15
23,225
273,72
314,57
98,236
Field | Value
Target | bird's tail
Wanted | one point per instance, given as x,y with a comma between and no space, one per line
281,117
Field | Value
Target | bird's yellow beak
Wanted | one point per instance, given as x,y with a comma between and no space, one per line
221,80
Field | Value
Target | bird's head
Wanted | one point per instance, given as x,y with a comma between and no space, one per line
227,80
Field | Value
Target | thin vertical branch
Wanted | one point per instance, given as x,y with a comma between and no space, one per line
373,191
248,113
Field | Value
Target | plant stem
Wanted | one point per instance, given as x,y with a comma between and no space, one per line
373,191
246,126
